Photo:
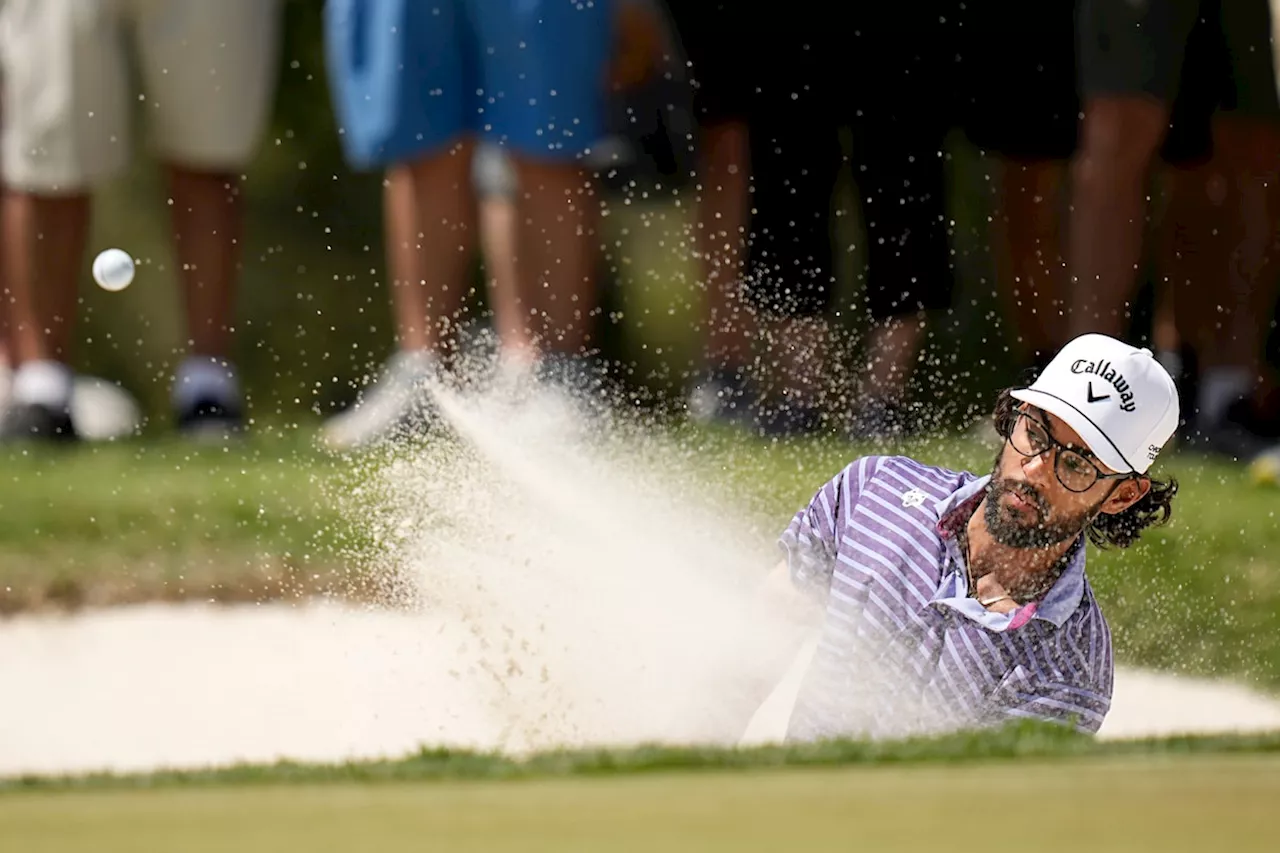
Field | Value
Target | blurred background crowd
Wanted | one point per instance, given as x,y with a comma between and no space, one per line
866,213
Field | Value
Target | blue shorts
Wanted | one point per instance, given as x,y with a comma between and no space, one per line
410,76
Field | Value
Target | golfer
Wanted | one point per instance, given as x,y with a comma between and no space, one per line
954,601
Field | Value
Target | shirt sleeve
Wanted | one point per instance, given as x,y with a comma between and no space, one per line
810,541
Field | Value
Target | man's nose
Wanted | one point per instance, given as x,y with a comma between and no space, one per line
1040,466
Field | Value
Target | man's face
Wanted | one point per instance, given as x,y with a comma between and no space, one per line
1027,506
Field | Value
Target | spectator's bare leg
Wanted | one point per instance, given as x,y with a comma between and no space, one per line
892,351
798,358
1166,338
1164,333
1029,262
1191,256
1119,137
1223,223
45,238
1193,253
1250,151
430,241
723,211
207,219
400,231
7,356
498,234
556,253
429,229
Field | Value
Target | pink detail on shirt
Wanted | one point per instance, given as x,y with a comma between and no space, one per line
1022,616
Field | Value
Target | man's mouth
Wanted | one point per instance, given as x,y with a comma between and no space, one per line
1017,501
1022,502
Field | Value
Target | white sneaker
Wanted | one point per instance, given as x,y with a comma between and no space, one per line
399,402
102,410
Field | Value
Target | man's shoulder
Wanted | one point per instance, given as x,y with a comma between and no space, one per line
1090,609
1088,621
899,472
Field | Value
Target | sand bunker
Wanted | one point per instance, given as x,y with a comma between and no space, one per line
191,685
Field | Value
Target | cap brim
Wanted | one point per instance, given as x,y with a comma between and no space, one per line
1093,438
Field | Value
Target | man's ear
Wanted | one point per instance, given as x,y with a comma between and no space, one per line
1125,495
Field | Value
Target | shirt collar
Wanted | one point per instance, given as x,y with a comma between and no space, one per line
1063,597
945,506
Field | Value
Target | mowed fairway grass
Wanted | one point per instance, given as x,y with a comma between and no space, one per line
1157,803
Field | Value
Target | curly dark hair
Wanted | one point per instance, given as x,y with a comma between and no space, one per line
1118,530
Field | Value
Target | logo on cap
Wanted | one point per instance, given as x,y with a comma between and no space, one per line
1103,370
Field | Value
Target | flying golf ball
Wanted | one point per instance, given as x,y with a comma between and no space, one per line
113,270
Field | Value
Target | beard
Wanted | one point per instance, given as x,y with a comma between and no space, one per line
1017,530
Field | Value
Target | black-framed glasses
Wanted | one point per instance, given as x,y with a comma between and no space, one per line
1075,471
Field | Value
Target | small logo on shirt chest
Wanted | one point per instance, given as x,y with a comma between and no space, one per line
914,498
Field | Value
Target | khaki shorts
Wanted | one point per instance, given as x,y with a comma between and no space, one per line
208,71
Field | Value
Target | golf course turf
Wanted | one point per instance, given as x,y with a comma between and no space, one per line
1157,802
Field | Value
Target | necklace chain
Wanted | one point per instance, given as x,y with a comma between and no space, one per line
1039,591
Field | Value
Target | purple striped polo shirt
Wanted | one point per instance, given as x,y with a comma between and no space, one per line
903,650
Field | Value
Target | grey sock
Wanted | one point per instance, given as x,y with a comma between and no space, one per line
1219,388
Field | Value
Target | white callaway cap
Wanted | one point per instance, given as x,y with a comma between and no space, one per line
1120,400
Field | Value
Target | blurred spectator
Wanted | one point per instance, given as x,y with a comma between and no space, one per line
716,38
794,119
902,73
7,358
1217,250
1135,61
768,154
208,73
493,175
99,409
415,86
1020,107
772,93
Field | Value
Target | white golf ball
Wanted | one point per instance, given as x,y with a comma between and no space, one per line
113,270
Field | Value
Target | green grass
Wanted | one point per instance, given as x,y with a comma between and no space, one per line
1165,797
1022,741
165,520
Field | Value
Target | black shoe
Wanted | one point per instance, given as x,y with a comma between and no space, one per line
724,396
881,420
1229,438
784,419
580,377
27,421
1254,418
207,418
